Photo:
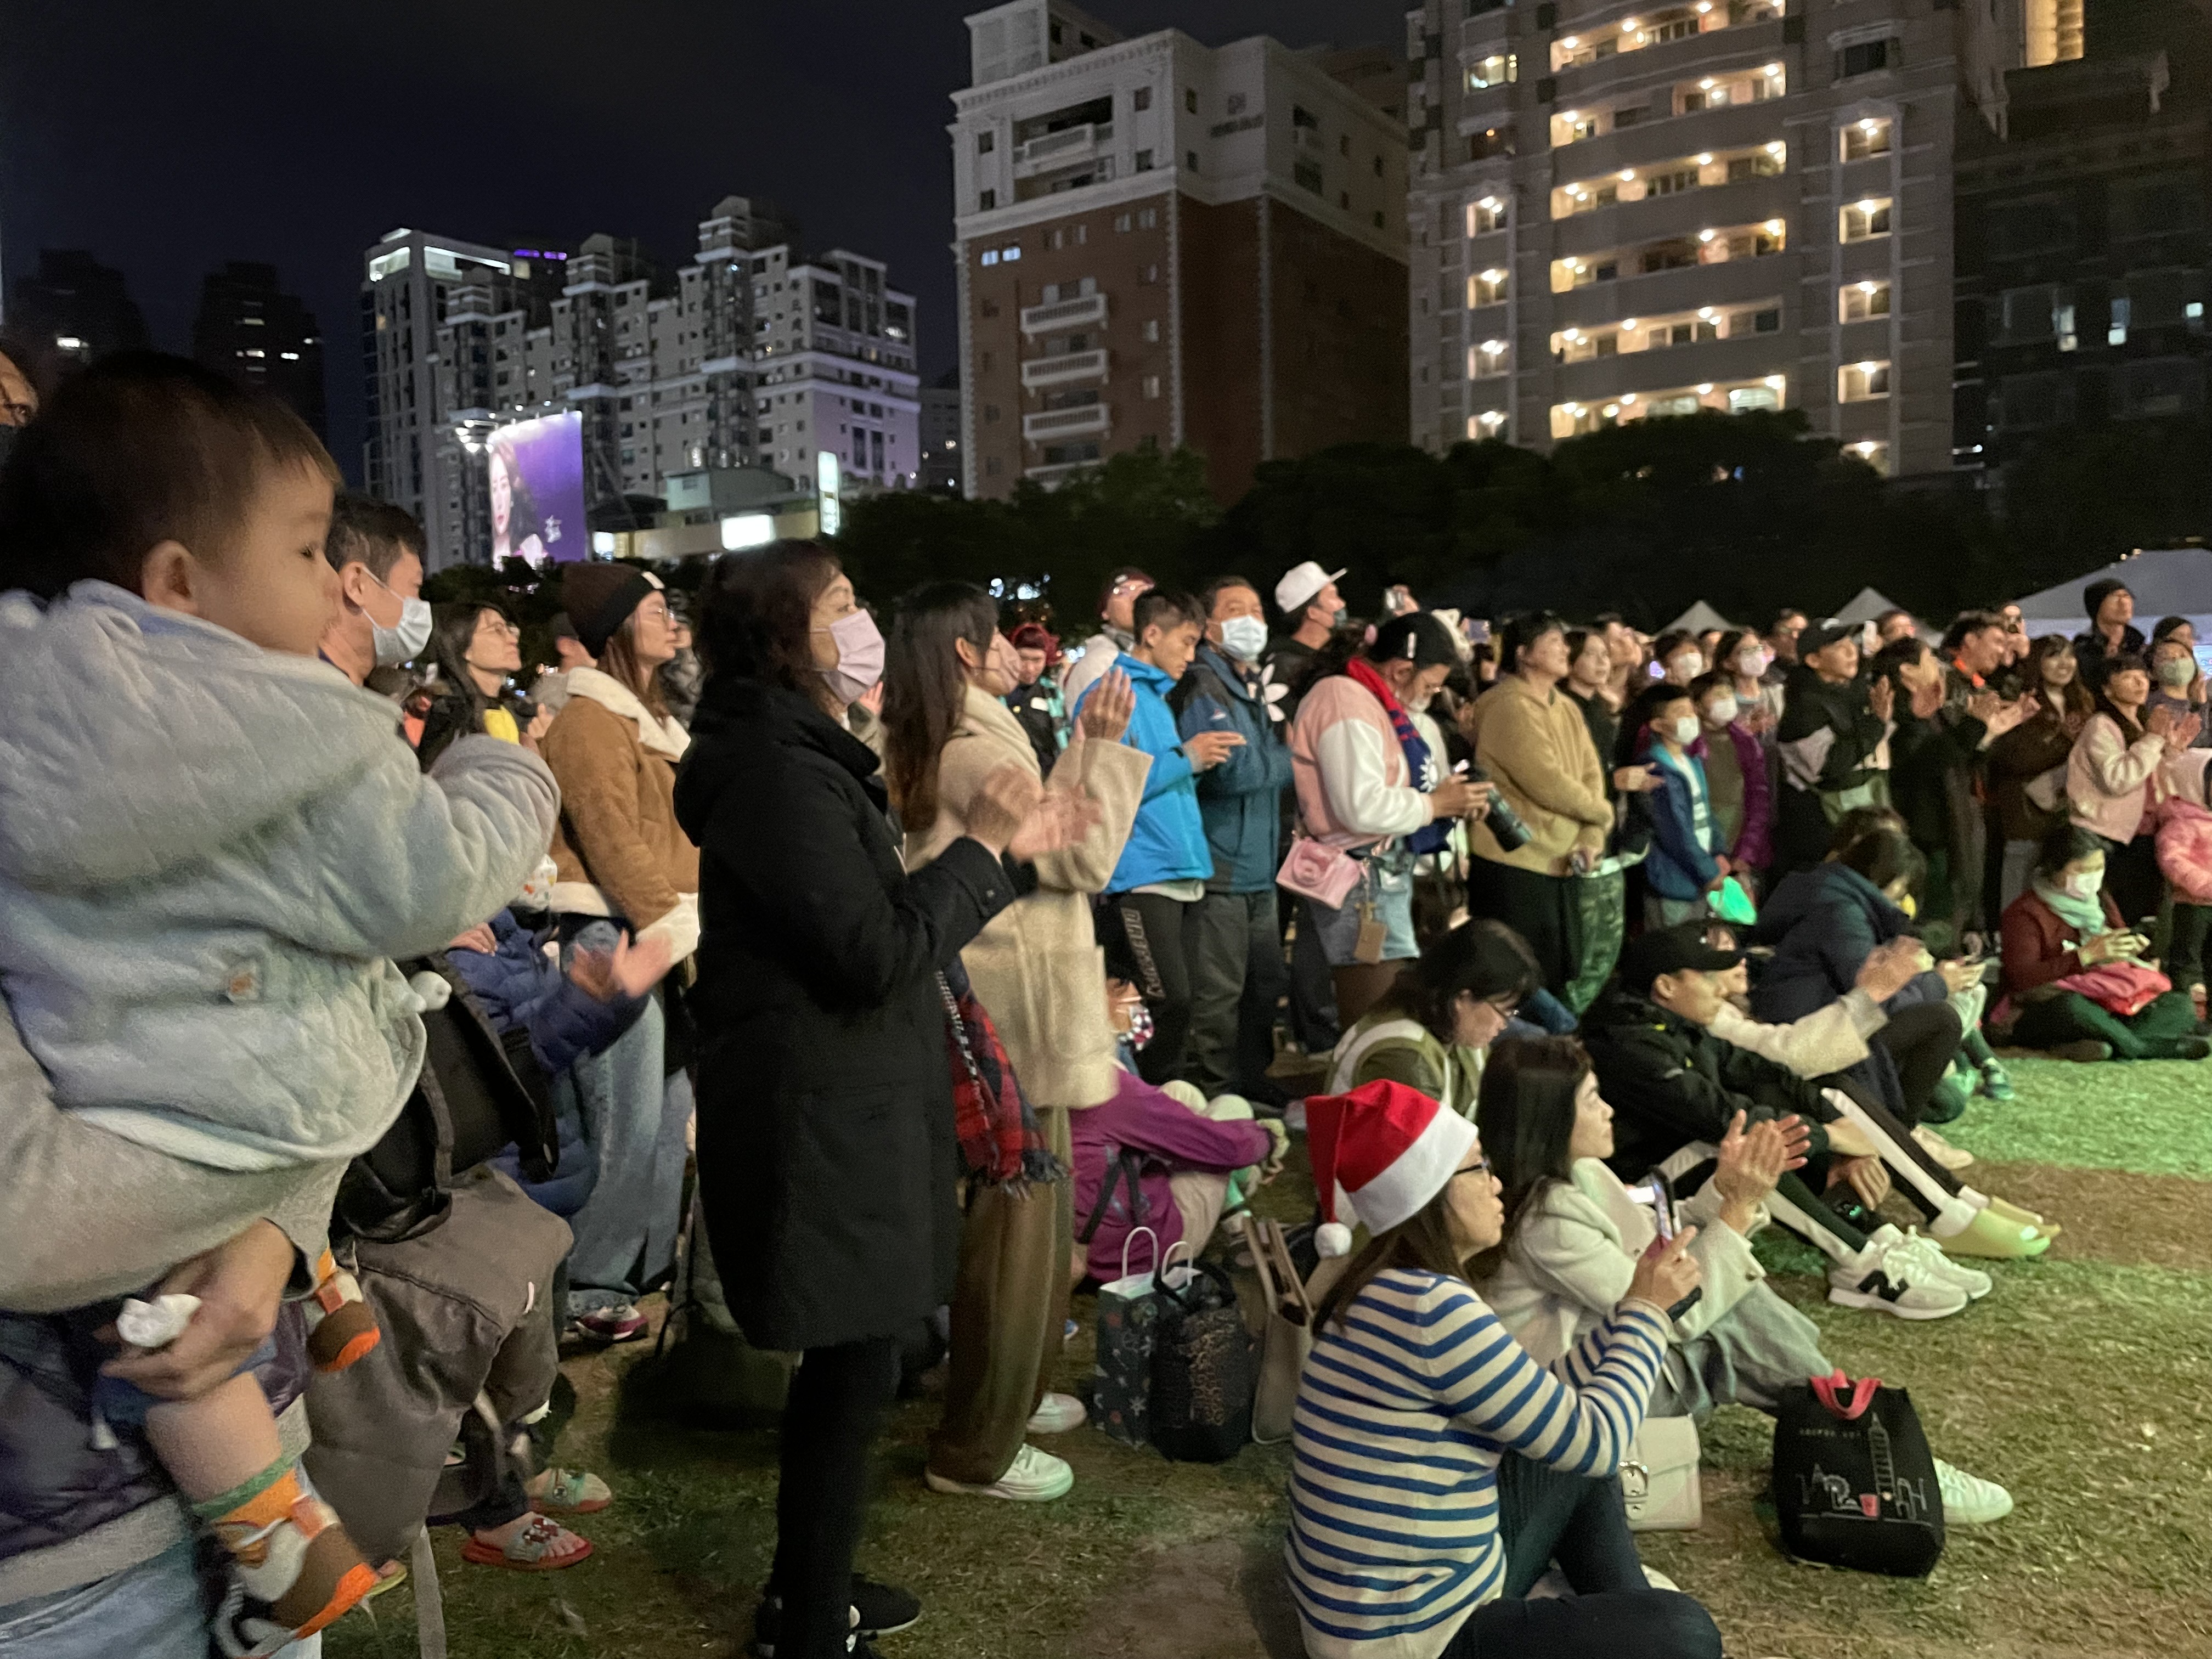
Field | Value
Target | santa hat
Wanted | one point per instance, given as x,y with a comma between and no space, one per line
1379,1155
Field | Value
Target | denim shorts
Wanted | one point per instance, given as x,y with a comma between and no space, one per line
1386,884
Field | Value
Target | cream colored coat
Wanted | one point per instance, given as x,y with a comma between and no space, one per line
1037,969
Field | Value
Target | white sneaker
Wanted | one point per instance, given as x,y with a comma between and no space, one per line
1034,1477
1057,1413
1968,1500
1886,1276
1928,1254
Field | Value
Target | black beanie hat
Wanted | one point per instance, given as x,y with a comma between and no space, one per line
1420,637
598,599
2094,595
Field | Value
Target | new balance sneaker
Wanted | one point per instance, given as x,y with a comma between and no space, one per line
1968,1500
1057,1413
1888,1276
1034,1477
1929,1253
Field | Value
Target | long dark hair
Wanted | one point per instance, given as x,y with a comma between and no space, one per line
2080,701
452,630
618,660
756,609
1526,1116
926,687
1423,1243
2122,662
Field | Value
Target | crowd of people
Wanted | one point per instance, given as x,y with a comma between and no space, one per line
370,1007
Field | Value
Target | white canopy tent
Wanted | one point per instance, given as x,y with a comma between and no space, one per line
1870,604
2166,581
1698,619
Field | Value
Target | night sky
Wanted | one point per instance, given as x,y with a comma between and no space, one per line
169,137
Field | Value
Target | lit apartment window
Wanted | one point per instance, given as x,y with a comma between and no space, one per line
1569,420
1858,383
2117,333
1857,301
1486,287
1874,453
1151,386
1485,215
1862,219
1491,357
1494,70
1491,423
1866,138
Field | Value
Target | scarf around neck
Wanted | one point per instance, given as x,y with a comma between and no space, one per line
1420,765
665,737
2085,916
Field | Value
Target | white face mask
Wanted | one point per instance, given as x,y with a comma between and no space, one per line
1719,711
1688,666
394,645
2082,884
1244,638
1686,730
1752,662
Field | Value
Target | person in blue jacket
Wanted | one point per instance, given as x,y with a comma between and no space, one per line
563,1018
1154,896
1237,971
1683,864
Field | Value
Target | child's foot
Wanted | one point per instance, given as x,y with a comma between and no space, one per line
567,1492
1996,1082
529,1543
291,1560
340,1326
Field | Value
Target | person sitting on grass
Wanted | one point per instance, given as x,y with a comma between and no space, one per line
2075,985
1438,1468
1574,1233
1430,1030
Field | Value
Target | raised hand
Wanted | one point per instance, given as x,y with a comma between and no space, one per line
1002,804
1208,749
1882,699
1106,711
1890,967
1060,818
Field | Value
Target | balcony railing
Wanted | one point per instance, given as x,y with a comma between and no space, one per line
1065,422
1058,471
1066,367
1064,313
1058,148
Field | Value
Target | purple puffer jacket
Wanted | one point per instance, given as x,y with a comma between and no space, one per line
54,1485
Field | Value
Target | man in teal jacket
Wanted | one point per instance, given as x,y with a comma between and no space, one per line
1155,892
1237,971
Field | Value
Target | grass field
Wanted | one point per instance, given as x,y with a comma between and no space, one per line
2082,1383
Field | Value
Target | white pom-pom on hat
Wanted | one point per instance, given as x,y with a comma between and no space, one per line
1333,1239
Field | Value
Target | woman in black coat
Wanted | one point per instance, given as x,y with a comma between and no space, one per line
827,1150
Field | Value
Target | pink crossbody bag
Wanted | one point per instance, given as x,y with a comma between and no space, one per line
1316,870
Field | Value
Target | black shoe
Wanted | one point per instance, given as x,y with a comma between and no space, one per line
877,1610
2190,1048
2086,1051
884,1609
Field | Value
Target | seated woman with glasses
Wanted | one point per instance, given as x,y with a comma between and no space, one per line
1432,1028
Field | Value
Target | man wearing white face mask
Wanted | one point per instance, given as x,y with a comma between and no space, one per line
382,619
1237,971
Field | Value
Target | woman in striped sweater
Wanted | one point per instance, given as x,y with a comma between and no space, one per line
1439,1469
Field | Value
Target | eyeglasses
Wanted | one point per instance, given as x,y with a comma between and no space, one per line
1480,1166
498,624
655,610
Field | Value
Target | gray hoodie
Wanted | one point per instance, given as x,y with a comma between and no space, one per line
208,855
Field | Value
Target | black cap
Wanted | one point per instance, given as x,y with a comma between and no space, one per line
1420,637
1819,635
1679,949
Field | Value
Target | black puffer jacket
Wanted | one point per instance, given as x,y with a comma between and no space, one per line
827,1154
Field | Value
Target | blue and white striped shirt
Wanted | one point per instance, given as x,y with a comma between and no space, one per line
1405,1407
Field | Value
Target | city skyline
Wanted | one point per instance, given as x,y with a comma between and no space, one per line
347,132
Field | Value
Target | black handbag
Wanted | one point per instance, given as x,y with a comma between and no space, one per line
1204,1373
1855,1483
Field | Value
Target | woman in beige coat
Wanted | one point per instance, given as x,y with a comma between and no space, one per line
1038,971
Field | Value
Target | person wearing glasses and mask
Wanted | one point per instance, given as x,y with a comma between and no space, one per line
1117,608
1433,1029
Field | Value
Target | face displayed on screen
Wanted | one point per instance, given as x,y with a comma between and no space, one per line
534,490
502,494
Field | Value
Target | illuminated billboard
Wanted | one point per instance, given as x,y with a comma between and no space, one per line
537,486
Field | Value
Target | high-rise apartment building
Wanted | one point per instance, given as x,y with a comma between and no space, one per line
943,461
750,354
248,327
1160,241
2085,230
81,307
1622,209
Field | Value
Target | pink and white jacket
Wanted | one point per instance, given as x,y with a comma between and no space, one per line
1353,787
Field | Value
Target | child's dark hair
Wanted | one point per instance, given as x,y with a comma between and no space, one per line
139,449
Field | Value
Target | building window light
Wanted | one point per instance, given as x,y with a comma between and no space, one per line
1705,390
1861,382
1706,235
1705,161
1777,381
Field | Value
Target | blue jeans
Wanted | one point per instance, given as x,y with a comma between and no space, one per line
1386,887
634,1117
158,1609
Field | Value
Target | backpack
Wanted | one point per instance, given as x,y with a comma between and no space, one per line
1855,1483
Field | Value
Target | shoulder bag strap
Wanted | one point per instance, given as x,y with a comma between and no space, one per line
1128,1165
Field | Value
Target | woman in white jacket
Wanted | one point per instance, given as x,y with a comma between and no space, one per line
1574,1233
